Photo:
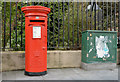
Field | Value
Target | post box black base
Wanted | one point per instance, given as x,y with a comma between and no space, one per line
35,73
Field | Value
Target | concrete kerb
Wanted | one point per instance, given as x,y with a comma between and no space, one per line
98,66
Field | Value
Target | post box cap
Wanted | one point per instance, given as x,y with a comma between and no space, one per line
35,9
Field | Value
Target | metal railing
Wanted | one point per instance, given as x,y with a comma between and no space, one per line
65,22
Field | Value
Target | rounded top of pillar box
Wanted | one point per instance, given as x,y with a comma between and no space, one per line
35,10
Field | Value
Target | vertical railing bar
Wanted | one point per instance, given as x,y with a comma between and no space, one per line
103,16
115,16
82,16
21,24
27,3
111,18
86,18
98,15
95,15
10,24
63,22
16,26
33,3
38,3
43,3
4,23
107,14
68,23
48,24
53,24
91,18
73,25
58,24
78,24
1,47
119,19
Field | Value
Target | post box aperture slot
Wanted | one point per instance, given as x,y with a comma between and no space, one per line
37,21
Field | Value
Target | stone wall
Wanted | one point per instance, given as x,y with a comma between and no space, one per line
55,59
14,60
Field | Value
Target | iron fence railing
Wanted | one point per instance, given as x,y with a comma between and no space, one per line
65,22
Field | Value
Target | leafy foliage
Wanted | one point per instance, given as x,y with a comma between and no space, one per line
62,33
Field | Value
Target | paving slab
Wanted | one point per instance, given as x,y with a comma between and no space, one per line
65,74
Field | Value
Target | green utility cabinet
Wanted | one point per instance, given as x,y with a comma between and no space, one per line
99,46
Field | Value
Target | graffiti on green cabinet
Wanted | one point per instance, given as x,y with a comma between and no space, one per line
99,46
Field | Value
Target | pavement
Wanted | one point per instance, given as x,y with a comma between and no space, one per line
64,74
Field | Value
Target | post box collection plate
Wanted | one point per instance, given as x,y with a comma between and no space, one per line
36,32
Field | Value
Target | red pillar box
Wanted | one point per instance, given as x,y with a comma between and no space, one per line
35,40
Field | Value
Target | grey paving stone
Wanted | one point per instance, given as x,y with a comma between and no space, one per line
65,74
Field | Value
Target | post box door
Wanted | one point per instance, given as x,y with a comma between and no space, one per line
102,47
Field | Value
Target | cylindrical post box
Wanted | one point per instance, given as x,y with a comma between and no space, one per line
35,39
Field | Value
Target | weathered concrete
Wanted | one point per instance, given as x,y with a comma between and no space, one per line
55,59
14,60
60,59
0,66
118,56
98,66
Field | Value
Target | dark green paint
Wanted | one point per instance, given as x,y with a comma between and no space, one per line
92,56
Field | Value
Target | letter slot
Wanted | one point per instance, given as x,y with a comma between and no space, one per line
37,21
